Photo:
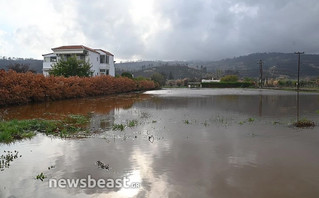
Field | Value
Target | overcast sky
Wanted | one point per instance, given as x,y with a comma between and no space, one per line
160,29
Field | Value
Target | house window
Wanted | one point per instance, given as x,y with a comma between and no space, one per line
102,70
107,72
53,59
81,57
102,59
107,59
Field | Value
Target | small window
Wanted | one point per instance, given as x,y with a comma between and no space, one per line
102,70
107,72
107,59
102,59
53,59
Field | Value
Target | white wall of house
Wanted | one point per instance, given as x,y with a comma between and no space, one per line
92,56
48,61
107,67
94,59
112,68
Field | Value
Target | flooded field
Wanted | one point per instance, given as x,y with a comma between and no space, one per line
220,143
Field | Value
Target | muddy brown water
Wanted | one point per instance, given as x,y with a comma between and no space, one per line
187,143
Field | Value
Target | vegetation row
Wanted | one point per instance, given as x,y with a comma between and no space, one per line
226,84
22,88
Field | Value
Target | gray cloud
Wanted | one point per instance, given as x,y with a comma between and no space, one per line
187,30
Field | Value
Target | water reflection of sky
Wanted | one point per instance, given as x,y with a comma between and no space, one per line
211,156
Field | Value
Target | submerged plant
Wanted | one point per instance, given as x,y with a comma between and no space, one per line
304,123
102,165
250,120
118,127
132,123
275,122
205,123
145,115
41,176
7,158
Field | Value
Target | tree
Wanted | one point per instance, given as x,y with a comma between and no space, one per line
170,76
127,74
71,67
229,78
159,78
19,68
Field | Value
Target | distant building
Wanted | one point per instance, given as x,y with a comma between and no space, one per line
102,61
208,81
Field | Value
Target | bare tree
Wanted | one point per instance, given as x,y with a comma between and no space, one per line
19,68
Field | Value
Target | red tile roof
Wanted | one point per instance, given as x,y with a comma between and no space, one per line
80,47
71,47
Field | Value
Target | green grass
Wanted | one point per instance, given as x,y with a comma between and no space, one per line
121,127
21,129
132,123
118,127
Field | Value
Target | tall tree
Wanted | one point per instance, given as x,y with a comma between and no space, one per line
71,67
159,78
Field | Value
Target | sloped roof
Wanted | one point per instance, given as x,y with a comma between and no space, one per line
49,54
106,52
74,47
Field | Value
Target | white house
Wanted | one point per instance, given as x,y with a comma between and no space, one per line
208,81
102,61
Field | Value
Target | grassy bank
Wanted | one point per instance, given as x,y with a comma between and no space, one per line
19,129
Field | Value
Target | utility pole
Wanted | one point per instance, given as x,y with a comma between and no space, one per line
298,85
261,72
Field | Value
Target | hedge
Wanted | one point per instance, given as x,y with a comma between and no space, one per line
22,88
226,84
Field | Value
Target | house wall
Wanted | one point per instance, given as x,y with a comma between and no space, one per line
47,64
112,68
94,59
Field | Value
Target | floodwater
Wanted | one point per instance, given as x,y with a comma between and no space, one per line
187,143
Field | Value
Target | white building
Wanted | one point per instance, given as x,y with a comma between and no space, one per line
102,62
208,81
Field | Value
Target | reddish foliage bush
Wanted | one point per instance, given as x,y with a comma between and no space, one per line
21,88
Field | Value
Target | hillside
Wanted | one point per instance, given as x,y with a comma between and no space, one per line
171,72
35,65
275,65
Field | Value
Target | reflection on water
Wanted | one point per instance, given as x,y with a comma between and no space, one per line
211,155
54,110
